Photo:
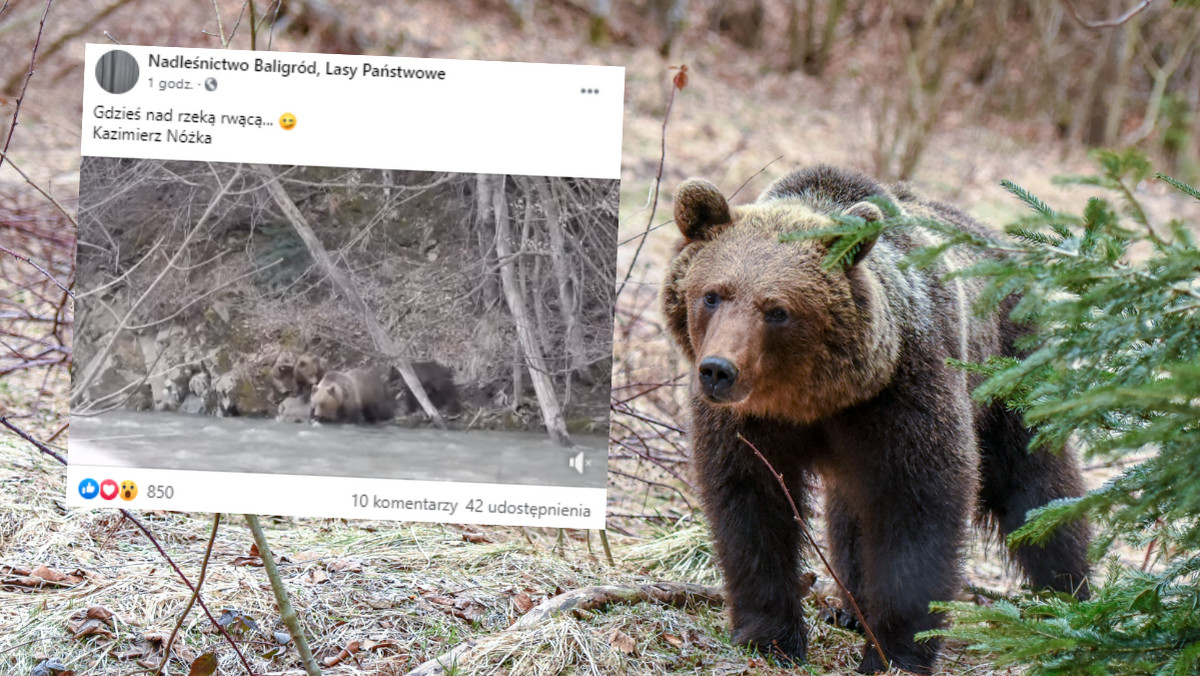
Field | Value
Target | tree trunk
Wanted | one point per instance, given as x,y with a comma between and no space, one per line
1116,109
795,46
345,286
485,238
833,12
542,385
577,361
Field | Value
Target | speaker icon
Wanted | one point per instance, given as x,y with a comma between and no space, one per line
577,462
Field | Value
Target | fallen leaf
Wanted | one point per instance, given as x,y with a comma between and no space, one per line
673,640
132,653
236,619
254,550
205,665
51,667
315,576
345,654
26,581
248,561
346,566
387,643
43,576
157,636
469,610
89,628
306,556
272,653
99,613
464,608
523,602
621,641
48,574
728,669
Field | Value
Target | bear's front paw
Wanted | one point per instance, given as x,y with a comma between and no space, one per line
841,617
784,642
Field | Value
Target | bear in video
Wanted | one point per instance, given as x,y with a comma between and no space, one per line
350,322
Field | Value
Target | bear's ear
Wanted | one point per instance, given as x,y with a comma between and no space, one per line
869,213
699,205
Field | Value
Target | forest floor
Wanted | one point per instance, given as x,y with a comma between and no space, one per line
405,593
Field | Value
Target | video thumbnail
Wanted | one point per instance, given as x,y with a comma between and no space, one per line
329,340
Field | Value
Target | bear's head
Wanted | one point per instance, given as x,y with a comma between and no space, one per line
770,332
309,370
283,377
327,400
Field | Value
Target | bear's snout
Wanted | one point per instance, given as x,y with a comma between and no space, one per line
717,376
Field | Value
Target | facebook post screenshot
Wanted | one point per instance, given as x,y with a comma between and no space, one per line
345,286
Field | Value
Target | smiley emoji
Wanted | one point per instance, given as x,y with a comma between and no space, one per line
128,490
287,121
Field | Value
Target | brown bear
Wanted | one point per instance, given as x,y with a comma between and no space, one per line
438,381
283,377
308,371
843,374
356,396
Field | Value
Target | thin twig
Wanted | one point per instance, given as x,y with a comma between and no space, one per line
754,176
220,28
286,612
662,160
40,446
648,482
212,537
1107,23
811,541
204,606
150,536
27,259
69,37
652,388
12,127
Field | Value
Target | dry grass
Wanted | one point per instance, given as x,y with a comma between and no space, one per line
422,589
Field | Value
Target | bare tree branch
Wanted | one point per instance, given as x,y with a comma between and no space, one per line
1106,23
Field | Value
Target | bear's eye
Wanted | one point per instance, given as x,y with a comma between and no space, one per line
712,299
776,315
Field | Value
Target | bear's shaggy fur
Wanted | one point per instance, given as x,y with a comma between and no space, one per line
283,377
307,372
842,374
358,395
438,381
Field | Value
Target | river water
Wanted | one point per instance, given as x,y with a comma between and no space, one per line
180,441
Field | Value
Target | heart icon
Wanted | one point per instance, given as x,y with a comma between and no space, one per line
109,489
